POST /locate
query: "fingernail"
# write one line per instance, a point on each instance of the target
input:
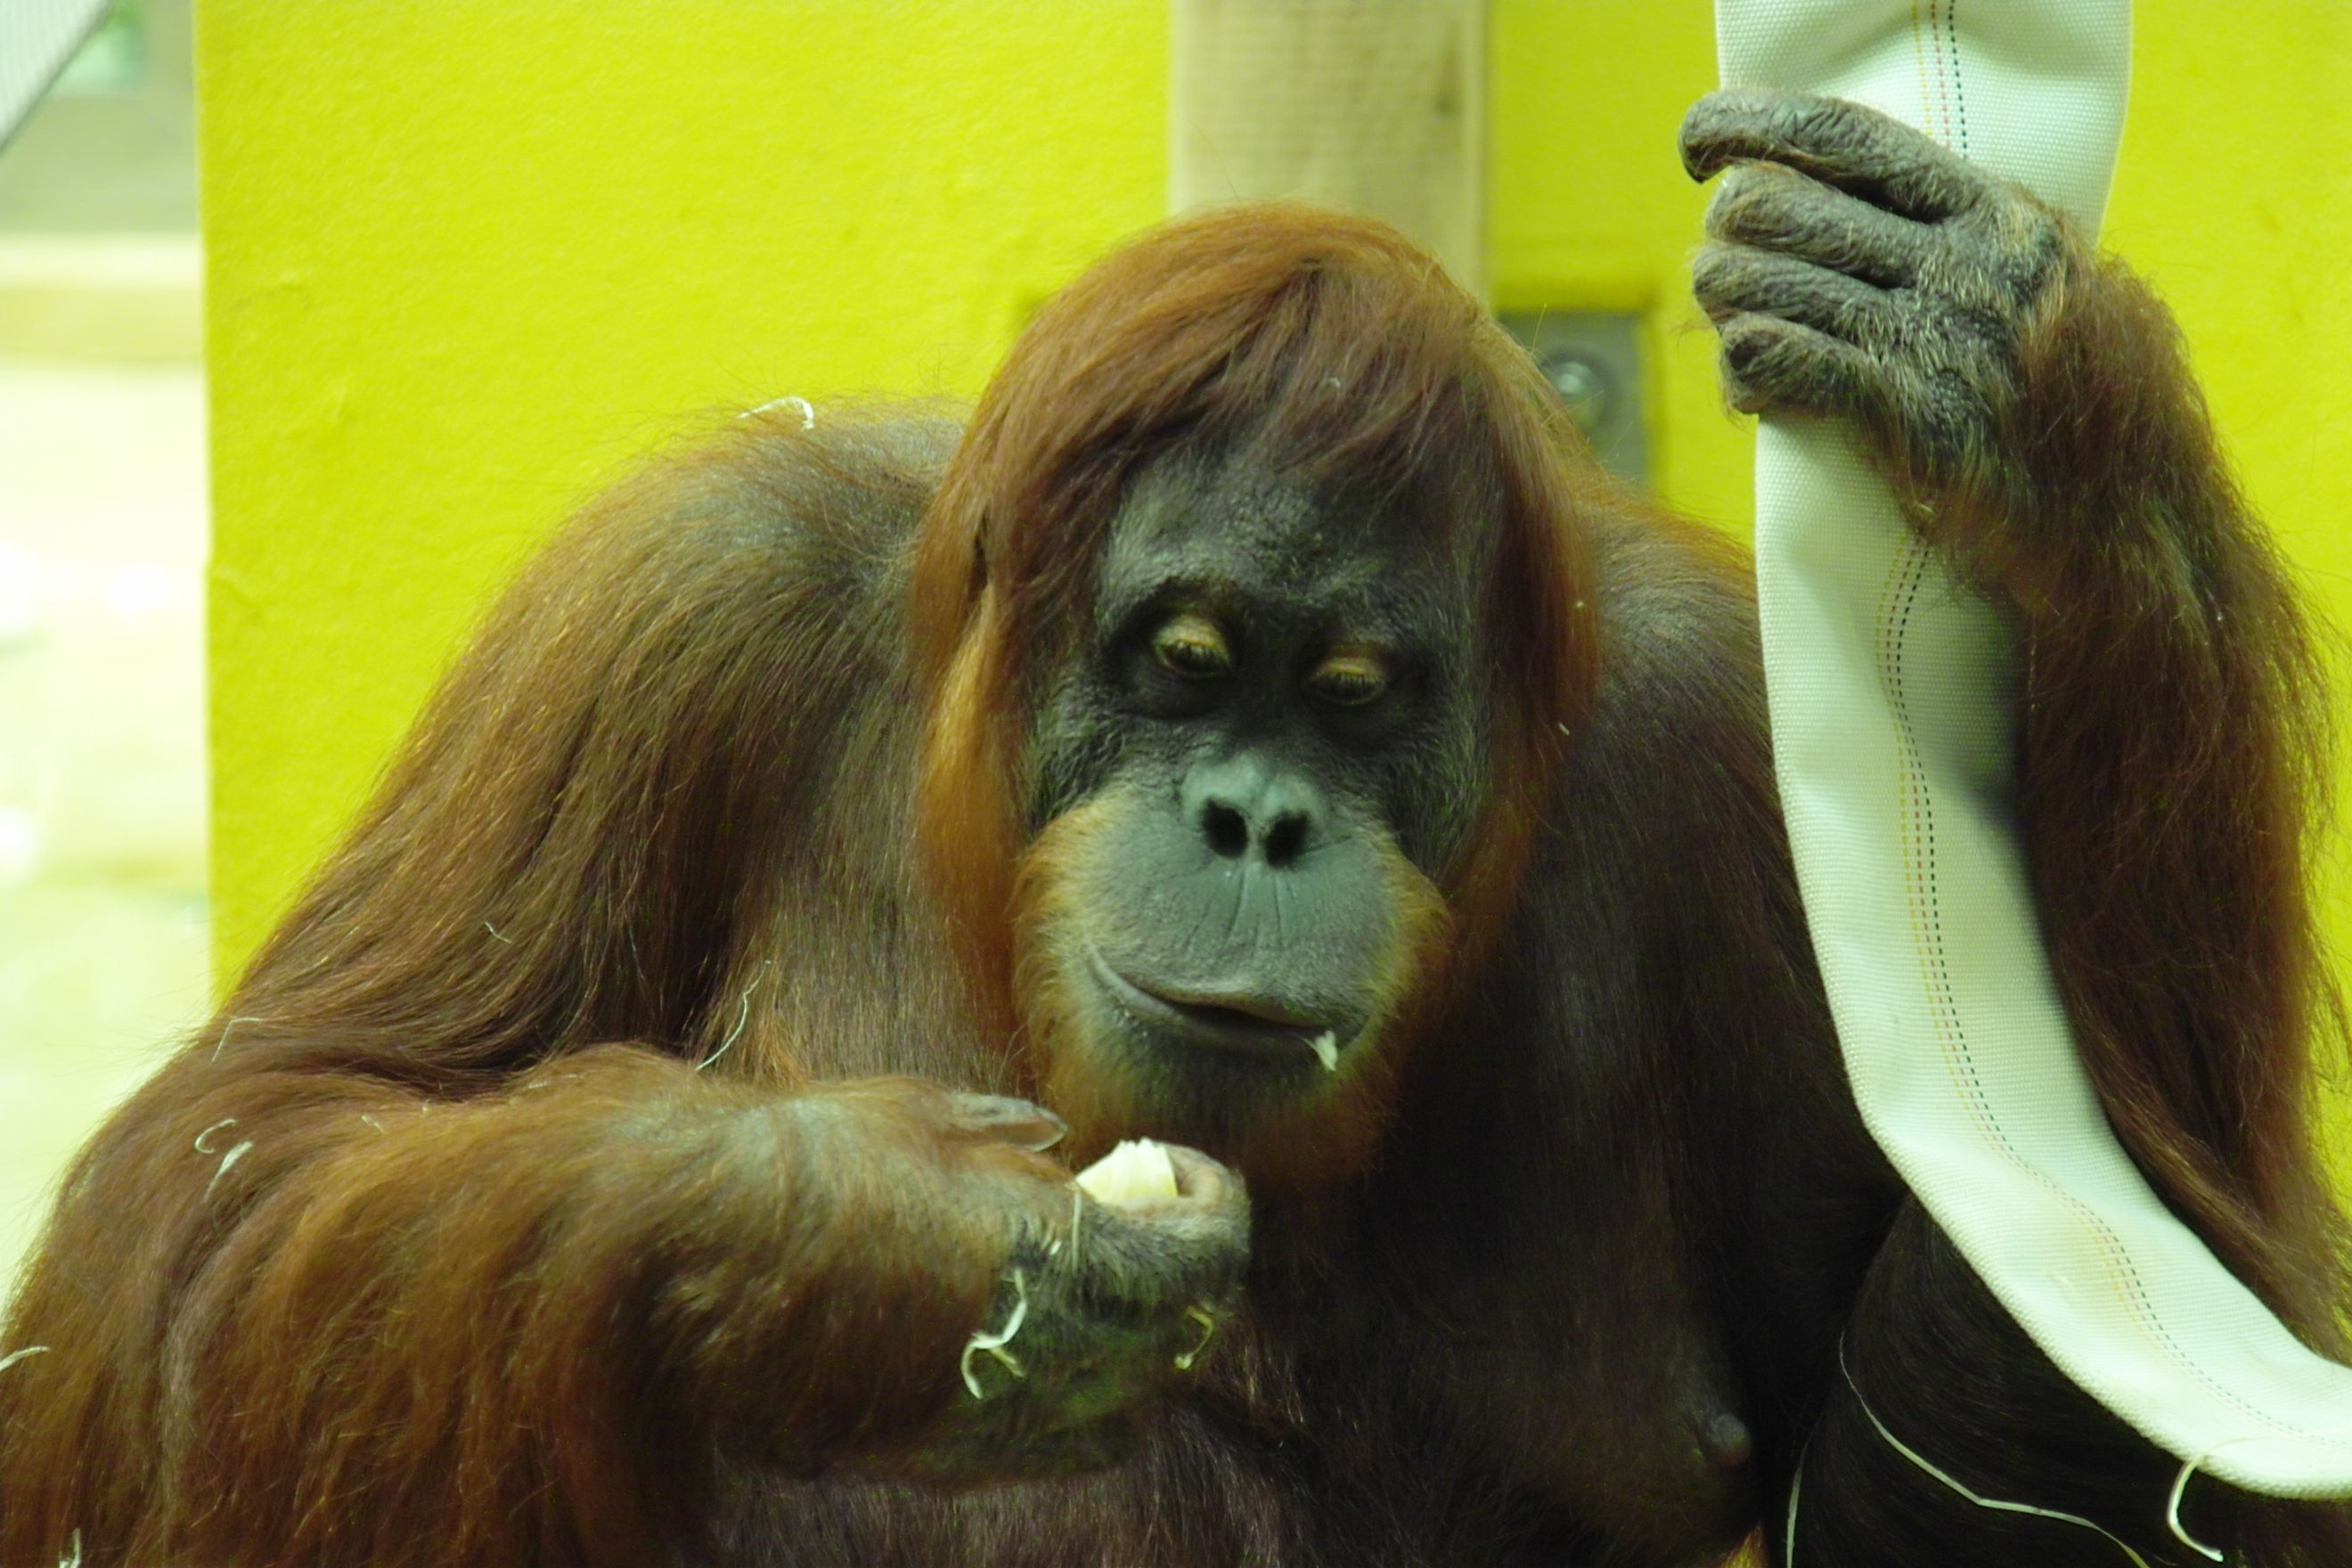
(999, 1114)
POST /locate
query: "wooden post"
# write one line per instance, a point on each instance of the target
(1373, 106)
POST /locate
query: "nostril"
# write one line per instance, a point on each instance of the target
(1287, 840)
(1226, 830)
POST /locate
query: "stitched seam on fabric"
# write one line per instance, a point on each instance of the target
(1943, 85)
(1916, 831)
(1960, 94)
(2122, 1267)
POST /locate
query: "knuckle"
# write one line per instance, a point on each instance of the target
(1732, 201)
(1824, 126)
(1764, 204)
(1715, 270)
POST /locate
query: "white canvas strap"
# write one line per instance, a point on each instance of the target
(1894, 695)
(37, 38)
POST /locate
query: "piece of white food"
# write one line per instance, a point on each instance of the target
(1138, 1172)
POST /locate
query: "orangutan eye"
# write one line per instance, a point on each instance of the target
(1192, 645)
(1350, 679)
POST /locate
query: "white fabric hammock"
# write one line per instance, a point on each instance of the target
(1894, 691)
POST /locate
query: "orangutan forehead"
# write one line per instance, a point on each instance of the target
(1241, 502)
(1215, 528)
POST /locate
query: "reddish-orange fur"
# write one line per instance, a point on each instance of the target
(2174, 752)
(2168, 812)
(735, 778)
(1337, 346)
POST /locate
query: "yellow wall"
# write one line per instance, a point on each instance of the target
(2234, 194)
(1588, 207)
(467, 257)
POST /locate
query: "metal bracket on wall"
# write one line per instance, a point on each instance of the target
(1593, 360)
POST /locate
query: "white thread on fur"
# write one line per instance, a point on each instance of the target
(2189, 1467)
(205, 1148)
(742, 1016)
(1996, 1504)
(232, 1157)
(2172, 1510)
(1796, 1486)
(808, 410)
(1208, 1332)
(994, 1344)
(12, 1357)
(219, 1044)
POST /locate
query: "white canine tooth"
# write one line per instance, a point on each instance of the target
(1325, 1047)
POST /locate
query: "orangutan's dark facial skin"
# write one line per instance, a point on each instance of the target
(1267, 734)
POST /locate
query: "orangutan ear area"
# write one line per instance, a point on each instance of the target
(1195, 959)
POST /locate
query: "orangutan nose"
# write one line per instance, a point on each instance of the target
(1245, 807)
